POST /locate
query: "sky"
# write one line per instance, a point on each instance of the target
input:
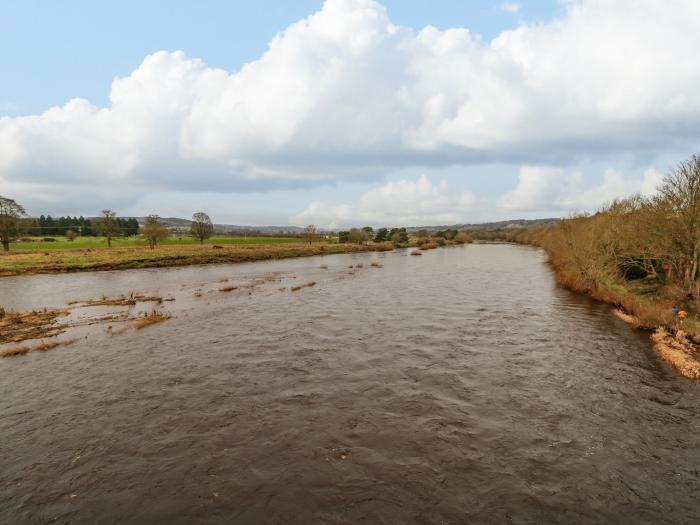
(344, 112)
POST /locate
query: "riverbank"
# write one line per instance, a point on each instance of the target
(81, 260)
(675, 340)
(643, 303)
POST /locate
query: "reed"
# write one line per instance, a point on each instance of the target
(150, 319)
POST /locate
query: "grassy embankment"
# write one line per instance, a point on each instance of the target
(91, 254)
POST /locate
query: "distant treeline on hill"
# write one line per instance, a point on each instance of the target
(48, 226)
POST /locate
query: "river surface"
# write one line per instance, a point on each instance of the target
(462, 386)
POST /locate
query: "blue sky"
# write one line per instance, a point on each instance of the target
(55, 51)
(529, 113)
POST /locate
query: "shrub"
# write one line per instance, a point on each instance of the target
(463, 238)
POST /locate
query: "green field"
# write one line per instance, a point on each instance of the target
(86, 257)
(62, 243)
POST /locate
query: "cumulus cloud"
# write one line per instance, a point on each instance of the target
(540, 189)
(394, 203)
(345, 94)
(546, 188)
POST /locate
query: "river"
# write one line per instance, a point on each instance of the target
(462, 386)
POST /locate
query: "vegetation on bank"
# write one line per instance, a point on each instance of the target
(93, 243)
(57, 261)
(20, 326)
(110, 245)
(641, 254)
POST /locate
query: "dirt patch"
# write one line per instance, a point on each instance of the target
(677, 351)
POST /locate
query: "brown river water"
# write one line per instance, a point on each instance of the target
(462, 386)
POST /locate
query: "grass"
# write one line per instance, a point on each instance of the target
(149, 319)
(15, 351)
(431, 245)
(299, 287)
(21, 326)
(43, 346)
(121, 258)
(83, 243)
(122, 300)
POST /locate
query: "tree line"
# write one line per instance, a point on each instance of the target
(14, 223)
(398, 236)
(45, 226)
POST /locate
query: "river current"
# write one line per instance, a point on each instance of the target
(462, 386)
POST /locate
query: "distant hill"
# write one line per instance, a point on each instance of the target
(511, 224)
(175, 223)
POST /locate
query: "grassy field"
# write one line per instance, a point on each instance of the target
(99, 257)
(62, 243)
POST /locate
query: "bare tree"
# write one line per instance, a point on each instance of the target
(356, 235)
(681, 192)
(153, 231)
(71, 235)
(107, 226)
(201, 227)
(310, 233)
(11, 215)
(463, 237)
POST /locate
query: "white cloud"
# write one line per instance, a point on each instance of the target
(510, 7)
(540, 188)
(545, 188)
(345, 94)
(403, 202)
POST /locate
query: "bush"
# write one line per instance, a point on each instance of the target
(358, 236)
(463, 238)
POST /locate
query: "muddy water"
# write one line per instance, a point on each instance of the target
(462, 386)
